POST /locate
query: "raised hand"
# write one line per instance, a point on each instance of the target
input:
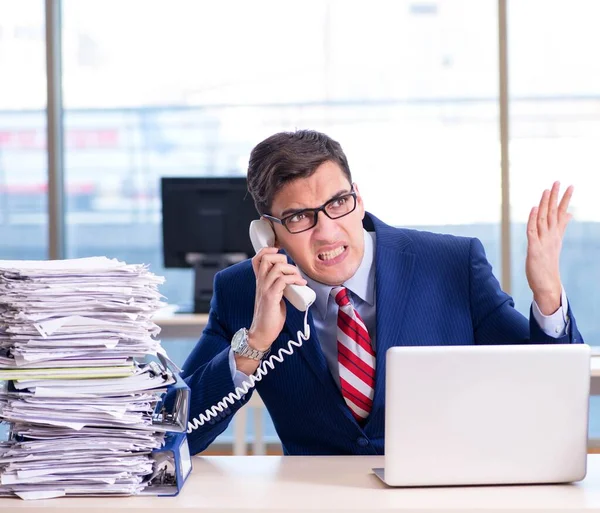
(545, 230)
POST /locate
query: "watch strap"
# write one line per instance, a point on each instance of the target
(243, 349)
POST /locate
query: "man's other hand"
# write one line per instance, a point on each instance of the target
(545, 230)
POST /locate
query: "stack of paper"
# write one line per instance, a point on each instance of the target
(79, 403)
(76, 313)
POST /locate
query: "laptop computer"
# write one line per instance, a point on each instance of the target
(475, 415)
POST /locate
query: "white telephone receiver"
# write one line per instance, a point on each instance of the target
(261, 235)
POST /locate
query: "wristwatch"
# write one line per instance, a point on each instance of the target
(239, 344)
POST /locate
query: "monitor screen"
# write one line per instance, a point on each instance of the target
(210, 216)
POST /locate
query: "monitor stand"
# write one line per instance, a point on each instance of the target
(205, 267)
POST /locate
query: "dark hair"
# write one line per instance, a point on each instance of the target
(288, 156)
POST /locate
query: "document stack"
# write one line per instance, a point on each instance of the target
(80, 400)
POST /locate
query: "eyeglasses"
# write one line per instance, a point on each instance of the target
(306, 219)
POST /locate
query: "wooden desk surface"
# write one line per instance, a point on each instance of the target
(324, 483)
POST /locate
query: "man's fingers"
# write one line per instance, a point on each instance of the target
(542, 217)
(268, 258)
(256, 259)
(552, 205)
(267, 262)
(280, 269)
(564, 202)
(284, 280)
(532, 233)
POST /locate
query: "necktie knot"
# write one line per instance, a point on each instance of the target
(340, 294)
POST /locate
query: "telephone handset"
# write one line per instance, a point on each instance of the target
(261, 235)
(300, 296)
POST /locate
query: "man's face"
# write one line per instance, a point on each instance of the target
(332, 251)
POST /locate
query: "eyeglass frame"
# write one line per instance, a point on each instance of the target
(283, 221)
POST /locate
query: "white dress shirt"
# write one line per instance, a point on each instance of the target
(362, 293)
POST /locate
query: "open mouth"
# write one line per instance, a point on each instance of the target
(330, 255)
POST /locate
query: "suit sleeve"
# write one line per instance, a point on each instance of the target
(208, 374)
(495, 320)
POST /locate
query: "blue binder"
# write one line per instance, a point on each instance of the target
(172, 462)
(172, 466)
(172, 414)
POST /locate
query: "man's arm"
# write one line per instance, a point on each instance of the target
(495, 320)
(208, 374)
(209, 370)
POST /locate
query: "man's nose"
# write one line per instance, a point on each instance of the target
(326, 227)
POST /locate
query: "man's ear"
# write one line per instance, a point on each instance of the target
(359, 201)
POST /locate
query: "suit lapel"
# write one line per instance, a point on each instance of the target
(393, 280)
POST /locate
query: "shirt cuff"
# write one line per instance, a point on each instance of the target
(557, 324)
(239, 378)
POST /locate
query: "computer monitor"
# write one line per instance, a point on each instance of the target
(205, 226)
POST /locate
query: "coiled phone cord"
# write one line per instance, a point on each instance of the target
(262, 370)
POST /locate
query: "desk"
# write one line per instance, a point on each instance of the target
(325, 483)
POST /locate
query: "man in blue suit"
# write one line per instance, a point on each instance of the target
(390, 287)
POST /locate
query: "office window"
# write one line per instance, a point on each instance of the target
(411, 100)
(23, 161)
(555, 129)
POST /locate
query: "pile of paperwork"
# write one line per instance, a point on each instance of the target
(73, 384)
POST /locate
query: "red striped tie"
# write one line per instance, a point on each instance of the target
(356, 357)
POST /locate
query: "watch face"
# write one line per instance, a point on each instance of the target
(238, 339)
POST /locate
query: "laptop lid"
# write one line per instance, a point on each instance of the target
(506, 414)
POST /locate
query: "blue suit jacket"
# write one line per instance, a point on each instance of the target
(431, 289)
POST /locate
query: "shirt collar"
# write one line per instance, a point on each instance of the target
(362, 284)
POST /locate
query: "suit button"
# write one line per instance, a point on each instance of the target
(362, 441)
